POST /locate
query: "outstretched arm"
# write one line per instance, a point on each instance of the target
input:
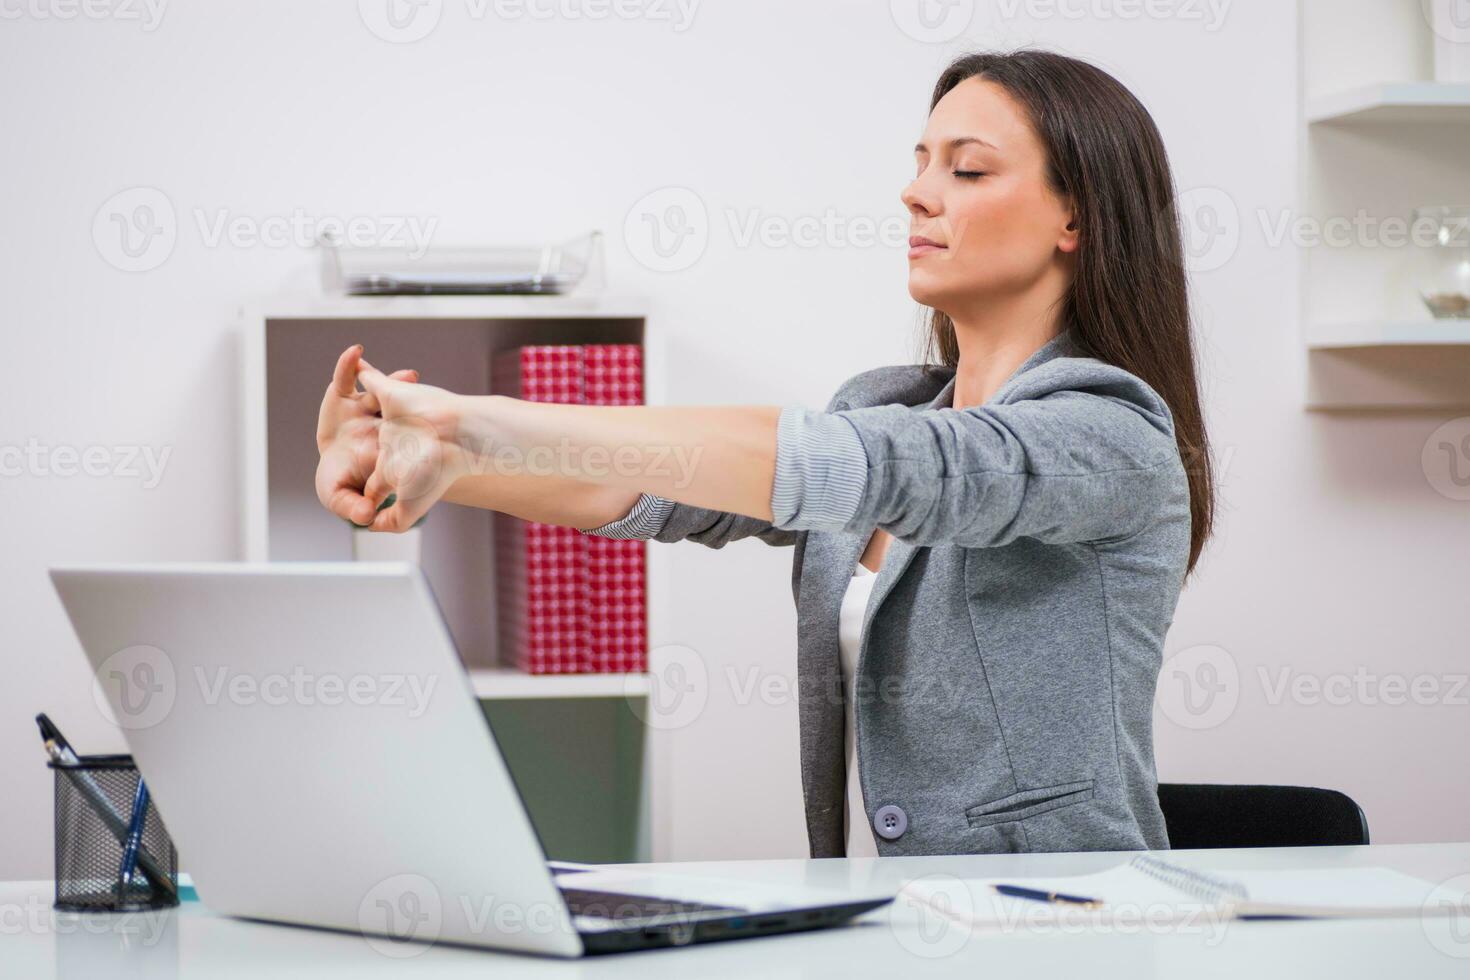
(347, 438)
(1079, 451)
(721, 458)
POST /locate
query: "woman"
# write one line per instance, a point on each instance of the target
(988, 551)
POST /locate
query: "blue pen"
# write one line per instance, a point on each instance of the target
(135, 835)
(1037, 895)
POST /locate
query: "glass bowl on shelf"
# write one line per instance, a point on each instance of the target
(1444, 278)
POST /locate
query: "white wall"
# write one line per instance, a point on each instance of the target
(1333, 551)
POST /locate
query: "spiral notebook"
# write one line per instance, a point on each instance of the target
(1151, 884)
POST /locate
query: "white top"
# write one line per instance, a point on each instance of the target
(859, 832)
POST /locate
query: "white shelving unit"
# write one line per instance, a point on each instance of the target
(590, 770)
(1378, 139)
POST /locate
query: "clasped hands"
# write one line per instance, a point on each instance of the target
(396, 436)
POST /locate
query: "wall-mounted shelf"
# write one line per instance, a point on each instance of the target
(1381, 333)
(1374, 375)
(1442, 103)
(1382, 134)
(499, 683)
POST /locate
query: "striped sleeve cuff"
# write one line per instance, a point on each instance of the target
(644, 519)
(821, 471)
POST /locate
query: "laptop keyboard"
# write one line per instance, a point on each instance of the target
(612, 905)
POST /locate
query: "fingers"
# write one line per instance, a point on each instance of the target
(403, 515)
(376, 488)
(350, 505)
(348, 481)
(341, 393)
(344, 376)
(407, 478)
(380, 490)
(372, 380)
(369, 401)
(338, 477)
(343, 401)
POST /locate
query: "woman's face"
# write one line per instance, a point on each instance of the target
(981, 195)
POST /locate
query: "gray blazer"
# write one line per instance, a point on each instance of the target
(1014, 636)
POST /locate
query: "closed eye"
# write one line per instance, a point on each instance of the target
(969, 174)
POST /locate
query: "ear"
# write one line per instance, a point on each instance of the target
(1067, 241)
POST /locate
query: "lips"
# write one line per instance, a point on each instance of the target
(919, 245)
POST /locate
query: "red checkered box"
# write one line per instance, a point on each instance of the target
(570, 602)
(541, 569)
(612, 374)
(617, 606)
(540, 373)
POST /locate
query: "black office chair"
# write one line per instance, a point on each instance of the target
(1209, 815)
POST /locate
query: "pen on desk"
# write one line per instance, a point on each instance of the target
(135, 836)
(59, 750)
(1056, 898)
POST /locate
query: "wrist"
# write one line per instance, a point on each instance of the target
(475, 432)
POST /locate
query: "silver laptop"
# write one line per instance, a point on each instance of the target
(314, 745)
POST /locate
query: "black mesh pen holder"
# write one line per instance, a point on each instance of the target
(94, 808)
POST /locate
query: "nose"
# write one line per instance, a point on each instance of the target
(919, 199)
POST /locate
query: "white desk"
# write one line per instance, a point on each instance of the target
(193, 943)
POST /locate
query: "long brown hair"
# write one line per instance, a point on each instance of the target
(1128, 304)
